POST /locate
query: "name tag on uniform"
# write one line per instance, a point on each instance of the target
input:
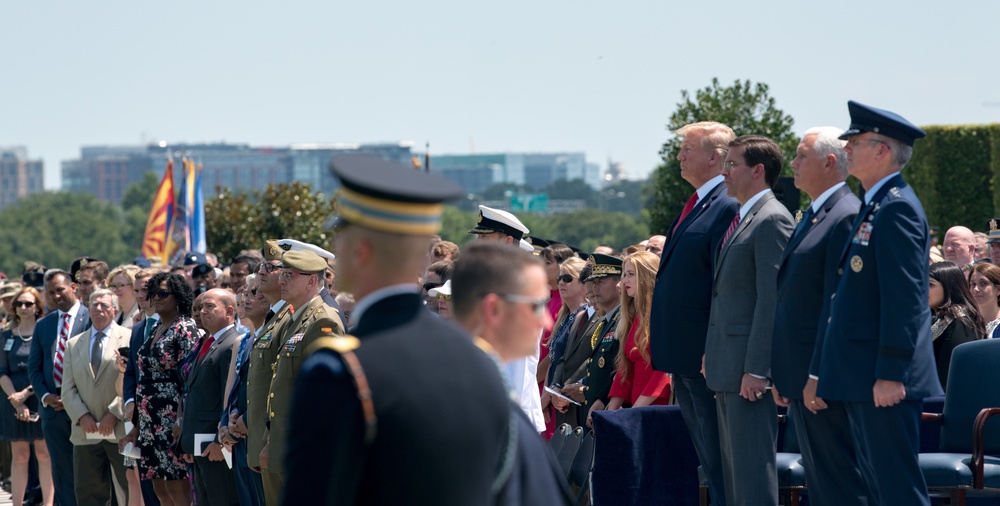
(863, 234)
(9, 345)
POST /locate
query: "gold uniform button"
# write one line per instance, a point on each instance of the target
(272, 395)
(588, 374)
(272, 414)
(584, 402)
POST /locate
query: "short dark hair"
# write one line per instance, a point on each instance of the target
(99, 267)
(758, 149)
(556, 253)
(252, 263)
(176, 285)
(442, 269)
(487, 267)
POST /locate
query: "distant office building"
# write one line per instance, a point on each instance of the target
(19, 176)
(537, 170)
(107, 171)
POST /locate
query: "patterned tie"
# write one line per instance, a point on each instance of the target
(57, 360)
(729, 232)
(687, 209)
(96, 351)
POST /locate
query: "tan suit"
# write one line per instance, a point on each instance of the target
(87, 391)
(262, 357)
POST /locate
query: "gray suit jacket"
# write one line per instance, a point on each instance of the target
(743, 296)
(85, 392)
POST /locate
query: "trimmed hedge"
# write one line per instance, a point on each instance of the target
(955, 171)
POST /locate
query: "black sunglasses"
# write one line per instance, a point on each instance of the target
(162, 294)
(565, 278)
(23, 303)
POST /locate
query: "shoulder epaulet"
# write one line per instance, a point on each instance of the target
(344, 346)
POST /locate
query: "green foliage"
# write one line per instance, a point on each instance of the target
(955, 171)
(586, 229)
(746, 107)
(55, 228)
(235, 222)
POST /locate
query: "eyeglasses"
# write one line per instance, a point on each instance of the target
(537, 305)
(286, 275)
(120, 286)
(565, 278)
(443, 296)
(431, 285)
(162, 294)
(23, 303)
(268, 267)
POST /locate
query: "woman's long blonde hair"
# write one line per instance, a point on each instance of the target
(646, 264)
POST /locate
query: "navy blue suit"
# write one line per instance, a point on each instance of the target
(56, 425)
(880, 328)
(441, 410)
(678, 323)
(806, 279)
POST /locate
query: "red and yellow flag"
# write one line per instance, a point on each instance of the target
(155, 243)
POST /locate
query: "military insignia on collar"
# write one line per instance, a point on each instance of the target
(798, 216)
(856, 263)
(894, 191)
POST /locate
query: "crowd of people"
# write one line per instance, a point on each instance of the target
(294, 376)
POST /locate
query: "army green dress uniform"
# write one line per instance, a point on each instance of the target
(601, 364)
(260, 372)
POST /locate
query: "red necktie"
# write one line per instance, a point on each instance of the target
(687, 209)
(205, 346)
(732, 228)
(57, 360)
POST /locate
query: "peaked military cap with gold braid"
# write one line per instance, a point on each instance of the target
(994, 233)
(390, 197)
(604, 266)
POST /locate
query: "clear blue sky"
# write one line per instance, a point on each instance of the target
(600, 77)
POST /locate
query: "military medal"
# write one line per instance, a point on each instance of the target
(856, 263)
(600, 363)
(798, 216)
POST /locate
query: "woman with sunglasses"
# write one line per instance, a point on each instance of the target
(565, 353)
(159, 389)
(20, 415)
(120, 281)
(636, 382)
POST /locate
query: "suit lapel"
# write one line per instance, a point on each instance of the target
(108, 353)
(700, 208)
(744, 224)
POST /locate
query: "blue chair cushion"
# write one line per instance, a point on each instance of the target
(790, 470)
(946, 469)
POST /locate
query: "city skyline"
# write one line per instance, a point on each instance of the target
(468, 78)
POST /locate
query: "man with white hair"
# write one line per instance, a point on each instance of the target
(805, 283)
(959, 246)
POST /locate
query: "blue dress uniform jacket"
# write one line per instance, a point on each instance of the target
(682, 296)
(441, 408)
(879, 325)
(806, 279)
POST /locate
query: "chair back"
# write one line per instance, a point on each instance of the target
(581, 463)
(559, 438)
(973, 380)
(568, 451)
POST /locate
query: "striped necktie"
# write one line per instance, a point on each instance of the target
(57, 360)
(729, 232)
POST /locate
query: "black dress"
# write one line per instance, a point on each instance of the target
(14, 363)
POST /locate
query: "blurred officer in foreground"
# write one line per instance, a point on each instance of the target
(876, 353)
(409, 411)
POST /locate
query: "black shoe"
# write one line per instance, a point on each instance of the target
(32, 497)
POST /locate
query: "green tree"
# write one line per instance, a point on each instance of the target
(238, 221)
(746, 107)
(54, 228)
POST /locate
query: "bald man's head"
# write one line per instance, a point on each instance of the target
(959, 246)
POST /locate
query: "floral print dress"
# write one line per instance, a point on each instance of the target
(159, 394)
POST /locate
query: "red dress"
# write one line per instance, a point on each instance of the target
(642, 379)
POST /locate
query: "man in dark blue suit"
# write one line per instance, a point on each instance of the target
(140, 331)
(806, 279)
(876, 353)
(410, 400)
(48, 348)
(682, 295)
